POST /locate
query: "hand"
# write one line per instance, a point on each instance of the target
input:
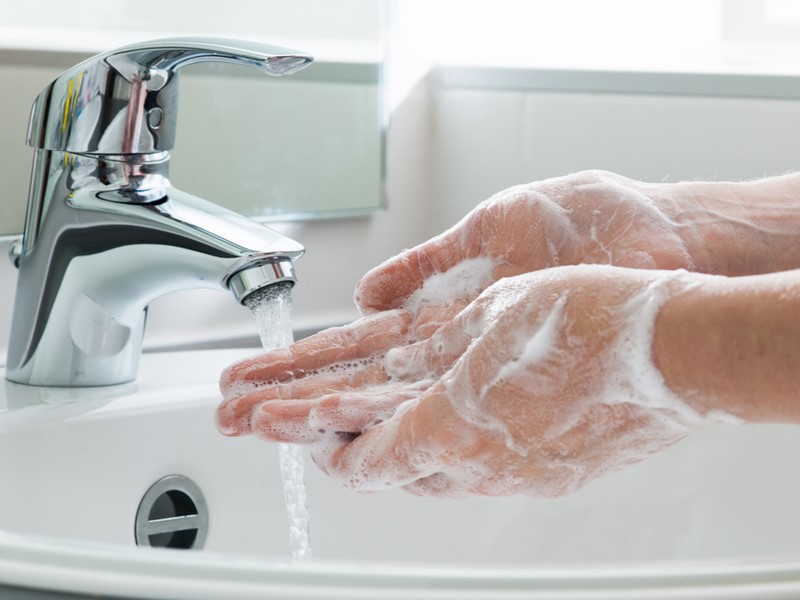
(597, 217)
(541, 384)
(590, 217)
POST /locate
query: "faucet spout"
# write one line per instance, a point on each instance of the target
(116, 235)
(106, 233)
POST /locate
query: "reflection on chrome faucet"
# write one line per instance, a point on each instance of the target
(106, 233)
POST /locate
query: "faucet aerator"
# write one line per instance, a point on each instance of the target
(256, 277)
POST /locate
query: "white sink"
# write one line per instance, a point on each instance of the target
(76, 463)
(86, 457)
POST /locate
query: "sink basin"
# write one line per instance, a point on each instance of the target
(717, 509)
(87, 457)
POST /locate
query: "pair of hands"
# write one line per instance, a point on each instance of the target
(482, 364)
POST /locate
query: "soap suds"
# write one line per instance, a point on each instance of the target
(637, 380)
(463, 282)
(525, 352)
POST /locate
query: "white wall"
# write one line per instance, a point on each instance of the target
(490, 139)
(325, 29)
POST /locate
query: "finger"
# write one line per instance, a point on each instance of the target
(355, 342)
(283, 421)
(389, 284)
(433, 356)
(394, 453)
(429, 318)
(356, 413)
(305, 421)
(438, 485)
(235, 413)
(326, 447)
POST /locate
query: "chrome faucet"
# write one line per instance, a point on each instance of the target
(105, 232)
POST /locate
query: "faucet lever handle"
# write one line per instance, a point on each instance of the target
(125, 101)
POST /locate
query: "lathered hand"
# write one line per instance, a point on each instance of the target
(590, 217)
(721, 228)
(540, 385)
(479, 369)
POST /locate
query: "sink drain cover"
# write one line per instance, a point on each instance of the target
(172, 514)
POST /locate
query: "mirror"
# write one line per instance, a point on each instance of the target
(309, 145)
(301, 146)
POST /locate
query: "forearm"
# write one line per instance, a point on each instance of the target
(733, 345)
(743, 228)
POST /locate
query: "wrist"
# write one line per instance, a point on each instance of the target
(732, 345)
(737, 228)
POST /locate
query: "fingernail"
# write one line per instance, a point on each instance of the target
(229, 425)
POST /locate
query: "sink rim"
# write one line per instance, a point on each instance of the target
(159, 374)
(86, 567)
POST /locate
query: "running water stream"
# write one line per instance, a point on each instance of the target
(272, 309)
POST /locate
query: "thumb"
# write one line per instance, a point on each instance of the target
(431, 356)
(413, 444)
(388, 285)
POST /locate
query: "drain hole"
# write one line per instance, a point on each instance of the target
(169, 507)
(172, 514)
(180, 540)
(173, 503)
